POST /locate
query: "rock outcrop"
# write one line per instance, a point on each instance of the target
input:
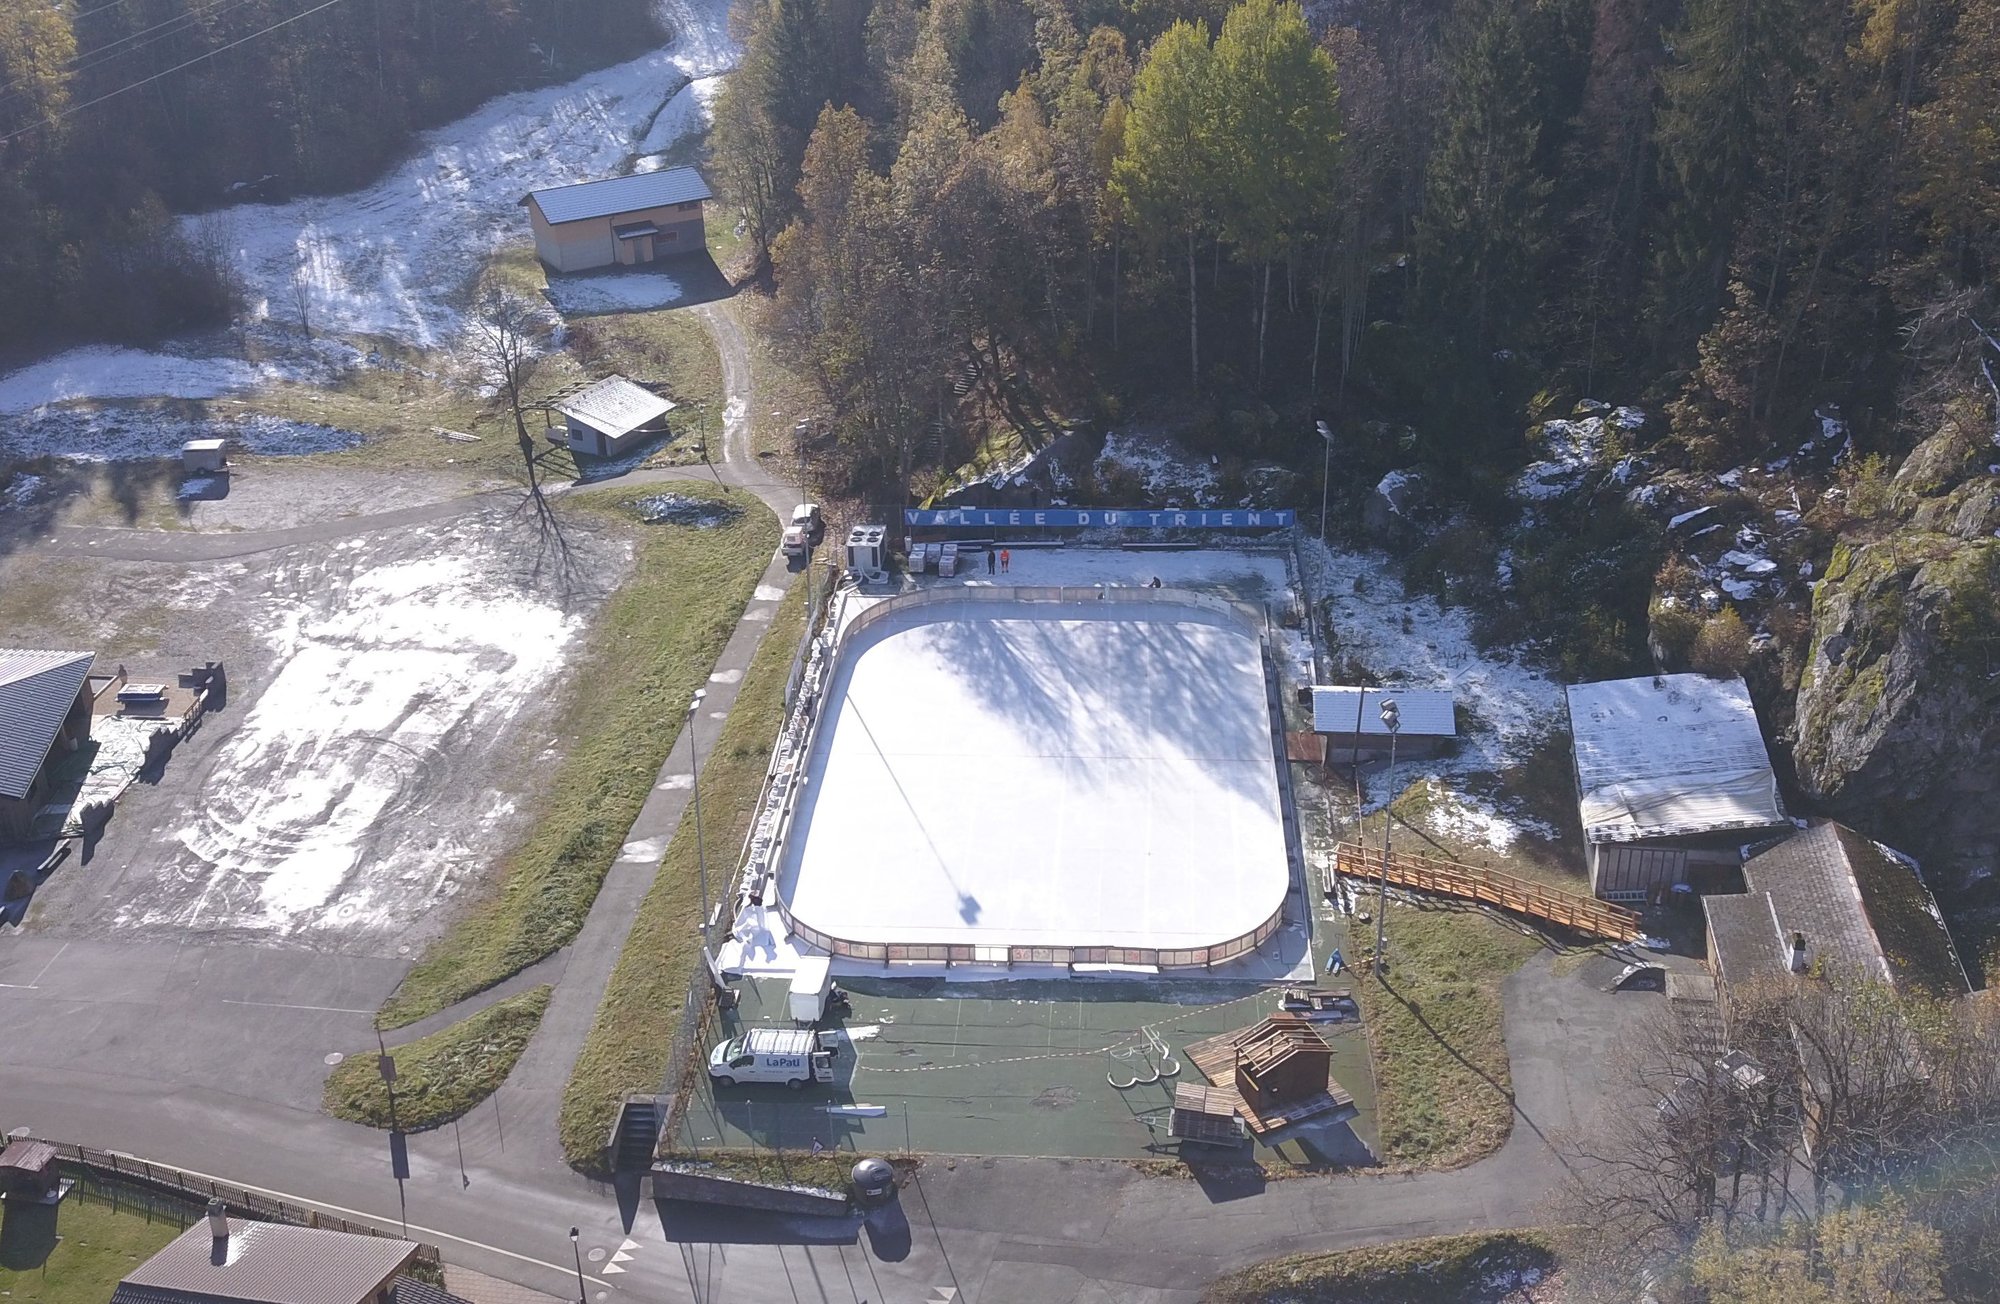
(1898, 725)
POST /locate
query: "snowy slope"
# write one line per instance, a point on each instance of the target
(391, 258)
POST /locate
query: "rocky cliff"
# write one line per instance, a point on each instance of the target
(1898, 723)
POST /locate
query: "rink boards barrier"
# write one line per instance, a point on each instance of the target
(760, 880)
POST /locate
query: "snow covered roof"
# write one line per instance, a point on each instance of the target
(37, 690)
(588, 199)
(614, 405)
(1425, 712)
(1670, 756)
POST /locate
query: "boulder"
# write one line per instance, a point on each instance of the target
(1898, 723)
(1390, 515)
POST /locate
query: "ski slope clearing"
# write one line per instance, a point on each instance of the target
(397, 259)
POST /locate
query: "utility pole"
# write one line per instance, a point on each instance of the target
(694, 775)
(1325, 474)
(1392, 719)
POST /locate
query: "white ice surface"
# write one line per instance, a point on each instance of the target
(1049, 775)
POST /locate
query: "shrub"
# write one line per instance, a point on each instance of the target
(1675, 628)
(1722, 648)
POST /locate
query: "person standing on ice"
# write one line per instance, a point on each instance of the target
(1006, 560)
(989, 559)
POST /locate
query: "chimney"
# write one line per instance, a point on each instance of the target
(1798, 952)
(218, 1221)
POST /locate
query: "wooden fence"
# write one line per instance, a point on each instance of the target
(1420, 873)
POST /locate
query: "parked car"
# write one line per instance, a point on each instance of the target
(793, 1056)
(805, 530)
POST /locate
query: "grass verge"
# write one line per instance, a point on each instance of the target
(1443, 1091)
(442, 1076)
(830, 1171)
(98, 1245)
(651, 647)
(630, 1040)
(1485, 1268)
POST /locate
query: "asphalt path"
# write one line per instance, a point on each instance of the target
(209, 1058)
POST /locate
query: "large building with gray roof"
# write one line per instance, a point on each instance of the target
(45, 699)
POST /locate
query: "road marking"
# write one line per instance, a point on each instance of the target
(37, 985)
(609, 1269)
(376, 1218)
(629, 1244)
(621, 1257)
(277, 1005)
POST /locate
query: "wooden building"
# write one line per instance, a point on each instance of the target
(45, 704)
(619, 221)
(1672, 778)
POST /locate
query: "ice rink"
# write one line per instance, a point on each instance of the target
(1041, 774)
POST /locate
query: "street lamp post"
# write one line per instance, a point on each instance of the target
(577, 1254)
(1392, 719)
(694, 775)
(1325, 474)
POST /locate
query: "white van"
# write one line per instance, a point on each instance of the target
(788, 1055)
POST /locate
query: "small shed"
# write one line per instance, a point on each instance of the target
(610, 417)
(204, 457)
(1275, 1073)
(1350, 719)
(1672, 776)
(28, 1170)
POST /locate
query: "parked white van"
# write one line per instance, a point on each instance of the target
(792, 1056)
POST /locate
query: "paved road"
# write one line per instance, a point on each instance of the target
(84, 1061)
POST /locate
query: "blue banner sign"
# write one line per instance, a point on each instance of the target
(1239, 518)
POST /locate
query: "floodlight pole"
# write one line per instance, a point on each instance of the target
(694, 776)
(1325, 474)
(1392, 720)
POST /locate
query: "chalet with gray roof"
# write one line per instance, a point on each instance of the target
(1831, 898)
(619, 221)
(45, 700)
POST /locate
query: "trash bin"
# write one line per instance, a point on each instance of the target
(874, 1180)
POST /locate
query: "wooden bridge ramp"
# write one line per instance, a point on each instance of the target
(1419, 873)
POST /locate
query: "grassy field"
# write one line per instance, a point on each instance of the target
(629, 1042)
(652, 646)
(442, 1076)
(1489, 1268)
(97, 1247)
(1444, 1094)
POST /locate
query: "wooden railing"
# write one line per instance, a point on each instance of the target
(1490, 887)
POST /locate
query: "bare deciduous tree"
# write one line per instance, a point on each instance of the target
(507, 334)
(1825, 1092)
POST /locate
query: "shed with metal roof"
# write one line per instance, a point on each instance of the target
(45, 701)
(1672, 776)
(610, 416)
(1350, 718)
(619, 221)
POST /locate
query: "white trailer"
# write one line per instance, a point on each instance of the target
(811, 982)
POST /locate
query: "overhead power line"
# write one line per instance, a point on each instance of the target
(73, 109)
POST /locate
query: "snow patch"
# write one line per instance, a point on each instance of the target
(313, 815)
(134, 434)
(1569, 450)
(1171, 476)
(1373, 622)
(618, 292)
